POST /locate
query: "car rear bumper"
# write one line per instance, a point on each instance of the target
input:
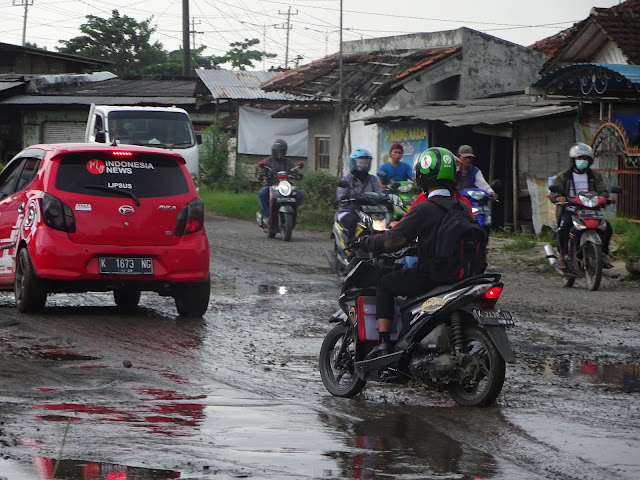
(55, 257)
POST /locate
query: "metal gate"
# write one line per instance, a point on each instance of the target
(619, 164)
(63, 132)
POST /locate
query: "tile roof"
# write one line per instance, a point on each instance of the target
(368, 77)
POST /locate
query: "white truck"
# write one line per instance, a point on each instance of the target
(161, 127)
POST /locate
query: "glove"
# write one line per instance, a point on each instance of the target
(356, 243)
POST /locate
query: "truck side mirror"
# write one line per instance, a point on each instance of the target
(199, 138)
(101, 137)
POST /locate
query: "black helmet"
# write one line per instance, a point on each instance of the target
(435, 167)
(279, 148)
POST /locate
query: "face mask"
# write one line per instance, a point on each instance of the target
(582, 164)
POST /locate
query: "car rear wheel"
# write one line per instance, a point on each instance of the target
(126, 298)
(192, 299)
(29, 289)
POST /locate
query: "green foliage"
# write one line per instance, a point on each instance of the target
(242, 205)
(118, 39)
(521, 242)
(628, 235)
(318, 209)
(241, 57)
(214, 162)
(173, 64)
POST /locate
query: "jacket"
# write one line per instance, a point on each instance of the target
(276, 166)
(356, 187)
(565, 178)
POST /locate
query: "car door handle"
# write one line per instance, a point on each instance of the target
(21, 208)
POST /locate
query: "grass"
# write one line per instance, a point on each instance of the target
(521, 242)
(237, 205)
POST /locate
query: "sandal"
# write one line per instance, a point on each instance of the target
(606, 265)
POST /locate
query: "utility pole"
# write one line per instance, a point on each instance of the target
(186, 44)
(193, 32)
(341, 102)
(288, 27)
(26, 4)
(264, 36)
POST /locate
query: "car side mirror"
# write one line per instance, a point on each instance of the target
(101, 137)
(199, 138)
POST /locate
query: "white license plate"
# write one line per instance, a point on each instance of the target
(500, 317)
(126, 266)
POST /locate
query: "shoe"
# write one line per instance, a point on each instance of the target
(265, 222)
(379, 350)
(606, 264)
(561, 265)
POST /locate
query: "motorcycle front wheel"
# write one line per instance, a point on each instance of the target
(486, 383)
(337, 359)
(286, 226)
(592, 258)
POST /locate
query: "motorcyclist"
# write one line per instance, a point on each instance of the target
(360, 181)
(579, 177)
(472, 176)
(395, 169)
(277, 162)
(435, 171)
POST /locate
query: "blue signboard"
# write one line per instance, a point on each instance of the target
(411, 135)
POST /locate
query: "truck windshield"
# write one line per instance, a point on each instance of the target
(154, 129)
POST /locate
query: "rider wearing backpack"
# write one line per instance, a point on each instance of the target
(435, 171)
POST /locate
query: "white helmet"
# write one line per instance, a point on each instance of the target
(581, 150)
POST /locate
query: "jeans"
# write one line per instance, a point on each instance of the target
(263, 194)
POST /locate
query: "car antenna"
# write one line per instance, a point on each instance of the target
(114, 143)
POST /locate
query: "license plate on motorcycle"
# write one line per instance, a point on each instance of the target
(125, 266)
(590, 214)
(493, 317)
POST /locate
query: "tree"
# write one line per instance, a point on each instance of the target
(173, 65)
(121, 40)
(240, 57)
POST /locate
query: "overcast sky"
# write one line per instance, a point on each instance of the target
(314, 23)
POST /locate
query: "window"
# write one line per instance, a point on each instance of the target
(322, 153)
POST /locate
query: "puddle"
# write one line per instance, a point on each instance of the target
(623, 377)
(273, 289)
(42, 468)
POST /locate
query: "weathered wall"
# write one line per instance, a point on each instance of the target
(33, 121)
(324, 124)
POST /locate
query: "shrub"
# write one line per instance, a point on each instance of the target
(320, 204)
(214, 162)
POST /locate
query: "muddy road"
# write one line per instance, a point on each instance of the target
(91, 392)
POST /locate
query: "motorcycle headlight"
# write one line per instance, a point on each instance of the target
(284, 188)
(588, 200)
(379, 225)
(476, 195)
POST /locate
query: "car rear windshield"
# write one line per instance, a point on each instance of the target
(108, 175)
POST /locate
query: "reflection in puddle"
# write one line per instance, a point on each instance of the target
(621, 376)
(48, 468)
(276, 289)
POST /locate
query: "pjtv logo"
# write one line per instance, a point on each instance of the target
(96, 166)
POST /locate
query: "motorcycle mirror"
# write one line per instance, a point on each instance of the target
(300, 164)
(496, 184)
(381, 173)
(616, 189)
(343, 184)
(555, 188)
(395, 185)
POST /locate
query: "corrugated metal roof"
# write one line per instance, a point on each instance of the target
(241, 85)
(88, 100)
(487, 111)
(629, 72)
(8, 85)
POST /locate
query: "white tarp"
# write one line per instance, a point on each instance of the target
(257, 132)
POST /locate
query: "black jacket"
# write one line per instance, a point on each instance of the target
(276, 166)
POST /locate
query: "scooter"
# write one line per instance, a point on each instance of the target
(450, 338)
(374, 212)
(479, 200)
(584, 258)
(283, 203)
(401, 194)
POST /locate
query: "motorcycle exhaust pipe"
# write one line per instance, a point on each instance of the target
(551, 255)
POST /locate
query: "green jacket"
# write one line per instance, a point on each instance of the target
(565, 178)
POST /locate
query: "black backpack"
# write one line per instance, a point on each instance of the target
(460, 248)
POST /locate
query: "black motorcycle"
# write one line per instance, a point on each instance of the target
(283, 203)
(450, 338)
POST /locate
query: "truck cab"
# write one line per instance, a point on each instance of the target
(161, 127)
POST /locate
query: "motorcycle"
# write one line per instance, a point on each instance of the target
(283, 202)
(374, 212)
(401, 194)
(450, 338)
(584, 257)
(479, 200)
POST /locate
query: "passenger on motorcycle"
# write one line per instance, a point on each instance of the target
(396, 170)
(472, 176)
(577, 178)
(277, 162)
(435, 171)
(360, 181)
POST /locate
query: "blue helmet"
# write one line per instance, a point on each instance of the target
(360, 161)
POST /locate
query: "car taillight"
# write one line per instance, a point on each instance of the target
(190, 218)
(57, 214)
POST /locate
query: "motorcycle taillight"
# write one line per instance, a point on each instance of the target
(57, 214)
(191, 218)
(490, 296)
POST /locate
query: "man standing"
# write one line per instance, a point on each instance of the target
(395, 169)
(471, 175)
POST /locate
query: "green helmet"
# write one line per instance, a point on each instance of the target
(435, 166)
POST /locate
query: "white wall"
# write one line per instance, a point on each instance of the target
(363, 136)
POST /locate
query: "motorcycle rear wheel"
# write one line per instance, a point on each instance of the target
(336, 368)
(489, 379)
(593, 265)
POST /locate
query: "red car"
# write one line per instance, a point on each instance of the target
(95, 217)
